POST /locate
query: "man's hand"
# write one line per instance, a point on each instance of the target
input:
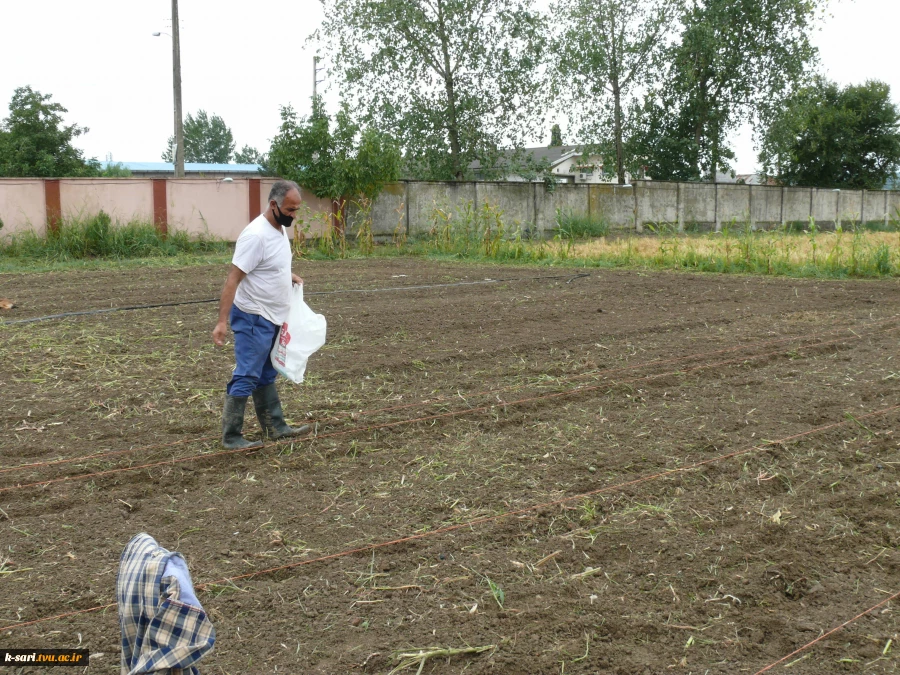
(296, 279)
(219, 332)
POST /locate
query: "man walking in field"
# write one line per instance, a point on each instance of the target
(256, 298)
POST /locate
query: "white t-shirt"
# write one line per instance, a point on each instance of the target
(264, 254)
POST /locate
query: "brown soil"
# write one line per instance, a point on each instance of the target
(725, 567)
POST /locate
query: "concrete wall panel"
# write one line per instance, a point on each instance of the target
(426, 198)
(733, 205)
(766, 203)
(825, 206)
(515, 200)
(613, 203)
(851, 206)
(656, 202)
(796, 205)
(874, 206)
(698, 209)
(22, 206)
(894, 206)
(208, 206)
(124, 199)
(564, 198)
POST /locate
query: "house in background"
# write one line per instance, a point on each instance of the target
(191, 169)
(567, 163)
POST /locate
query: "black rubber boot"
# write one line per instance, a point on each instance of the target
(270, 415)
(233, 424)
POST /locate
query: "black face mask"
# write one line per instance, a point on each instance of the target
(283, 219)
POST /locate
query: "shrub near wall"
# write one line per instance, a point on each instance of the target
(100, 237)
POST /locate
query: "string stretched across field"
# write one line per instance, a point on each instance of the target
(427, 418)
(180, 303)
(487, 392)
(488, 519)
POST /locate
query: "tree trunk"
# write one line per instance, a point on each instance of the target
(620, 160)
(452, 121)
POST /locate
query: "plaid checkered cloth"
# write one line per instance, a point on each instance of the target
(159, 632)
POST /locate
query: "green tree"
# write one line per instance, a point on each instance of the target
(734, 60)
(206, 139)
(555, 136)
(35, 142)
(348, 161)
(833, 137)
(606, 49)
(455, 80)
(248, 155)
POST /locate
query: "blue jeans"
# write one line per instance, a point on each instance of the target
(254, 337)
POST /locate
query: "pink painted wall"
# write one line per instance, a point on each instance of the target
(22, 205)
(196, 205)
(208, 206)
(313, 210)
(124, 199)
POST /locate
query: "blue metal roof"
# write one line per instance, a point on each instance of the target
(193, 167)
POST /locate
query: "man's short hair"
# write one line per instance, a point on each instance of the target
(280, 188)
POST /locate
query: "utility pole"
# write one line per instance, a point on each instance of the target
(176, 83)
(316, 79)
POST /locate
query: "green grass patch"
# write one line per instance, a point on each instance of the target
(98, 237)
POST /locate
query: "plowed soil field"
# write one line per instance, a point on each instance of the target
(622, 472)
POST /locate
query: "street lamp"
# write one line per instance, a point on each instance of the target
(176, 85)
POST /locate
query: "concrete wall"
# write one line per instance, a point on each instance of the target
(563, 199)
(22, 205)
(208, 206)
(656, 203)
(612, 203)
(124, 199)
(797, 205)
(698, 206)
(426, 198)
(765, 206)
(222, 209)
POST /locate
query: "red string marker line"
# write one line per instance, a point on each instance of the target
(375, 427)
(486, 519)
(831, 632)
(455, 413)
(441, 399)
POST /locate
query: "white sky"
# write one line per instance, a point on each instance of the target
(240, 60)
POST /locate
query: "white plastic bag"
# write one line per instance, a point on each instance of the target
(301, 336)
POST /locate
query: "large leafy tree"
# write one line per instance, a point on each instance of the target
(605, 50)
(455, 80)
(336, 161)
(248, 155)
(833, 137)
(206, 139)
(35, 142)
(734, 60)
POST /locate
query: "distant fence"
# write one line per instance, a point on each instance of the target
(682, 206)
(222, 208)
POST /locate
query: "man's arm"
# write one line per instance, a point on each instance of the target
(235, 276)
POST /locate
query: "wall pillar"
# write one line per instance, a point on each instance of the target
(837, 215)
(679, 206)
(253, 202)
(862, 209)
(52, 204)
(750, 218)
(718, 215)
(160, 206)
